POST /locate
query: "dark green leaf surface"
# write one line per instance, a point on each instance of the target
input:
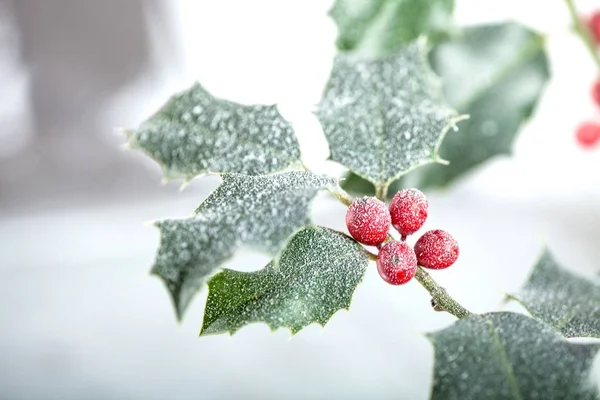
(508, 356)
(569, 303)
(493, 73)
(383, 118)
(258, 212)
(496, 74)
(314, 276)
(377, 28)
(197, 133)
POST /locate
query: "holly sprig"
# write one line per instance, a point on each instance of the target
(384, 115)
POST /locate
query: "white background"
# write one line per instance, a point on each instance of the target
(80, 317)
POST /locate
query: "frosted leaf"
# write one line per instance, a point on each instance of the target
(496, 74)
(313, 277)
(569, 303)
(196, 133)
(510, 356)
(258, 212)
(383, 118)
(380, 27)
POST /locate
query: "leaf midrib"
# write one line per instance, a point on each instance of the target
(533, 45)
(508, 370)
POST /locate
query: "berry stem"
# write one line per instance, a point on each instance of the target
(381, 192)
(583, 32)
(342, 196)
(441, 300)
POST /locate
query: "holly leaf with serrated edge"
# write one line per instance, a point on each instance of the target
(376, 28)
(257, 212)
(495, 74)
(196, 133)
(510, 356)
(384, 117)
(568, 302)
(314, 276)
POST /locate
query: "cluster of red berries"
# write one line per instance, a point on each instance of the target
(588, 133)
(369, 219)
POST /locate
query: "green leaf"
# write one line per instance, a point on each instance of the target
(313, 277)
(197, 133)
(377, 28)
(383, 118)
(510, 356)
(569, 303)
(495, 74)
(257, 212)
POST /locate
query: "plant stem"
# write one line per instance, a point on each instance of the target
(342, 196)
(381, 192)
(583, 32)
(441, 300)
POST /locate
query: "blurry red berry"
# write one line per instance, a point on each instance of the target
(397, 263)
(368, 220)
(436, 249)
(594, 26)
(408, 209)
(588, 134)
(595, 92)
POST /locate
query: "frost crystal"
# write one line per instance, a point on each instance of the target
(509, 356)
(315, 276)
(258, 212)
(565, 301)
(196, 133)
(384, 117)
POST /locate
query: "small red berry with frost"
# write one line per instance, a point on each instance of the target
(594, 26)
(368, 220)
(588, 134)
(436, 249)
(396, 263)
(595, 92)
(408, 209)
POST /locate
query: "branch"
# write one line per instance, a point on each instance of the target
(440, 299)
(583, 32)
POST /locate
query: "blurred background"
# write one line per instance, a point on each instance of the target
(80, 316)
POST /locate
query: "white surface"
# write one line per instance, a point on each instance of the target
(81, 318)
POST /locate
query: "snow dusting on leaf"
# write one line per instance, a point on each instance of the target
(197, 133)
(569, 303)
(314, 276)
(258, 212)
(510, 356)
(385, 117)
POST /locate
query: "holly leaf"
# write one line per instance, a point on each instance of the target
(313, 277)
(196, 133)
(569, 303)
(257, 212)
(510, 356)
(495, 74)
(378, 28)
(384, 117)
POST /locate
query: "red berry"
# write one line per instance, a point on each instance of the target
(408, 209)
(436, 249)
(588, 134)
(368, 220)
(397, 263)
(594, 26)
(596, 92)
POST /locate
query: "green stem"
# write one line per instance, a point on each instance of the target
(440, 299)
(583, 32)
(381, 192)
